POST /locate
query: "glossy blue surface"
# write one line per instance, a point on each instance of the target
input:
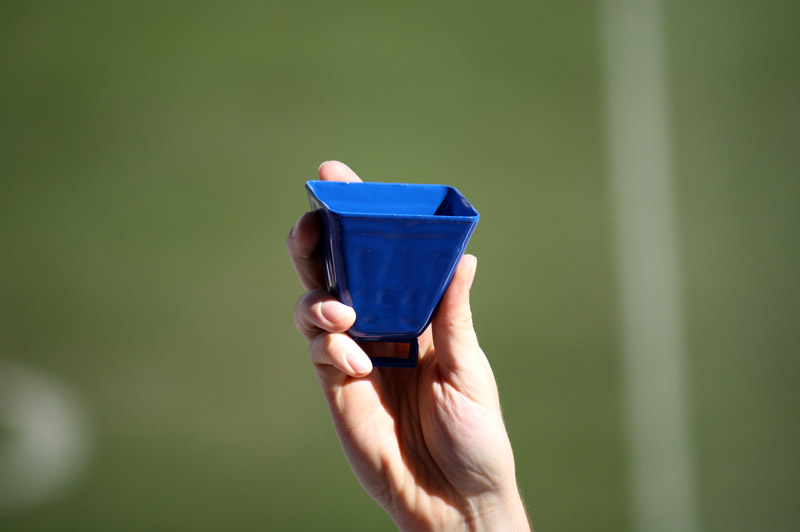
(390, 251)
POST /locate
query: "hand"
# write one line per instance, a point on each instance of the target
(428, 443)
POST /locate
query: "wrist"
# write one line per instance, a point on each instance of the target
(498, 511)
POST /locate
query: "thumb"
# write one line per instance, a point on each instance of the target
(453, 333)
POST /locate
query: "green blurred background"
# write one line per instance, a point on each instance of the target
(152, 156)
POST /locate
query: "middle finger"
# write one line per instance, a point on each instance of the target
(317, 311)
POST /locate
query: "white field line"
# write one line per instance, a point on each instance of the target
(662, 479)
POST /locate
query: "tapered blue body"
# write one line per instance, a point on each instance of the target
(390, 250)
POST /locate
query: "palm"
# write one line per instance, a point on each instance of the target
(405, 437)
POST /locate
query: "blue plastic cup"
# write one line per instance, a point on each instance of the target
(389, 250)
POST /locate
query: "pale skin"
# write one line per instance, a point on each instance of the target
(429, 443)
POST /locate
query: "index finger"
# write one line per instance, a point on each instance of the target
(303, 240)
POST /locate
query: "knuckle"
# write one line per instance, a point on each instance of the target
(300, 310)
(460, 322)
(319, 349)
(304, 315)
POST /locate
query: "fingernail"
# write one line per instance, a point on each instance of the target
(321, 164)
(333, 311)
(472, 275)
(293, 232)
(359, 361)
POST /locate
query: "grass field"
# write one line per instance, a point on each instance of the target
(152, 159)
